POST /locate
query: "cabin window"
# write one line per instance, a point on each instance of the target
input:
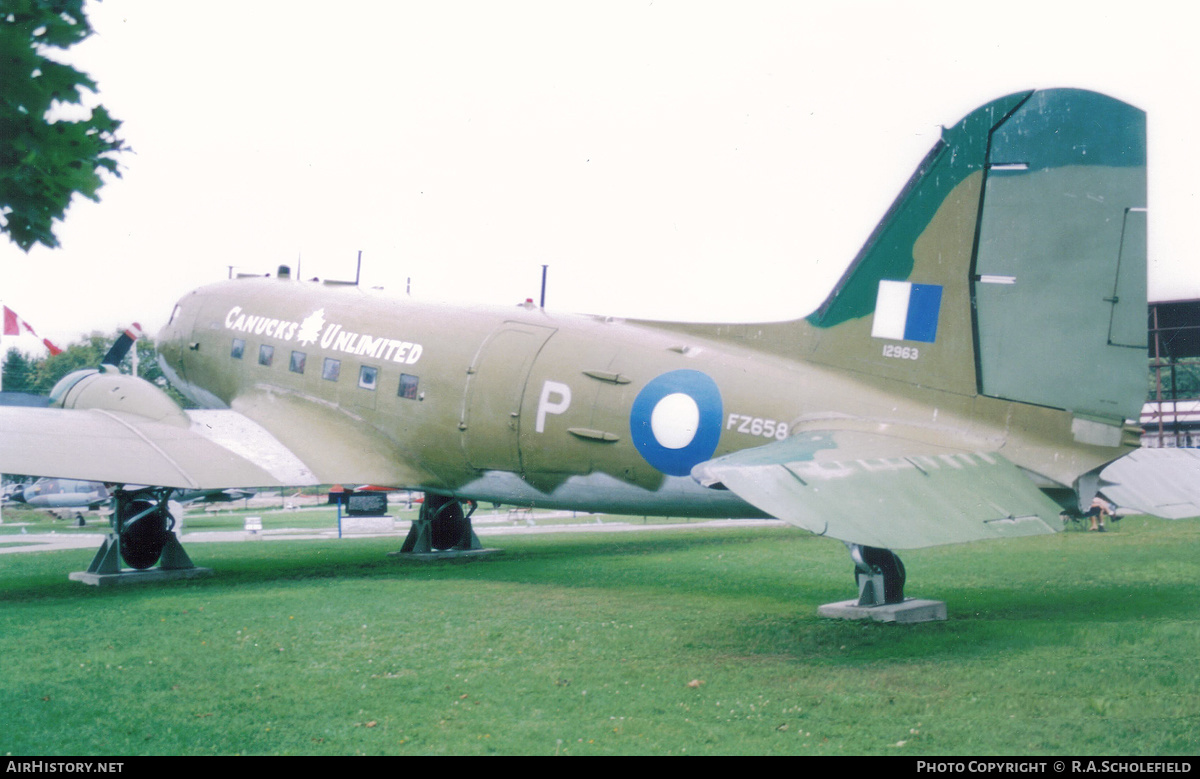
(297, 363)
(266, 353)
(239, 348)
(367, 376)
(331, 370)
(408, 387)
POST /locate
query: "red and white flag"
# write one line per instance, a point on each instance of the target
(13, 325)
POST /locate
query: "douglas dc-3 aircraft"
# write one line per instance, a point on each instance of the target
(968, 377)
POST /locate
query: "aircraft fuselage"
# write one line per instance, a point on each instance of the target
(522, 406)
(509, 405)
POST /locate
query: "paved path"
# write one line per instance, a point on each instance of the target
(41, 542)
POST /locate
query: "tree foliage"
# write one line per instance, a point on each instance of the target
(1186, 375)
(38, 375)
(45, 158)
(18, 372)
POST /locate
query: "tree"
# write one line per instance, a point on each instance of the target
(1186, 373)
(38, 375)
(44, 157)
(82, 354)
(18, 371)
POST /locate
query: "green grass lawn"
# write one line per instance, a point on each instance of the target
(667, 642)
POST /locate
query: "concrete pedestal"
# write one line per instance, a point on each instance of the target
(135, 577)
(445, 554)
(911, 611)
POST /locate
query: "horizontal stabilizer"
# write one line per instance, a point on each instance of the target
(1161, 482)
(925, 498)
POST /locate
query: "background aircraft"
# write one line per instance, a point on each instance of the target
(211, 496)
(61, 493)
(77, 494)
(968, 378)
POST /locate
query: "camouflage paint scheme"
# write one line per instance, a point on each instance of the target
(61, 493)
(981, 353)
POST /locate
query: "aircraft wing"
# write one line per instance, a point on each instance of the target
(133, 436)
(218, 450)
(917, 495)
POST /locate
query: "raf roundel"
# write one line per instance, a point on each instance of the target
(676, 421)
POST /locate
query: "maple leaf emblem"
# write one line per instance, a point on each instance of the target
(310, 328)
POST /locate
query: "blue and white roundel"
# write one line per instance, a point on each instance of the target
(676, 421)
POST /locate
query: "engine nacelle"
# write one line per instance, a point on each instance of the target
(112, 391)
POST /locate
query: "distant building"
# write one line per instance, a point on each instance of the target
(1171, 418)
(1171, 423)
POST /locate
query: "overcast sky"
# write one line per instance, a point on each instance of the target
(672, 160)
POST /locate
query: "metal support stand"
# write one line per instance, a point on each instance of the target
(142, 534)
(441, 531)
(880, 576)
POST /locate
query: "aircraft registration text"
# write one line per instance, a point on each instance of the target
(767, 428)
(901, 352)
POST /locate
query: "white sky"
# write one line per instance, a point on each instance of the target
(673, 160)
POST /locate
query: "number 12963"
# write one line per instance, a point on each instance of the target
(901, 352)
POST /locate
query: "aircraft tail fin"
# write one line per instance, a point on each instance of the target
(1013, 264)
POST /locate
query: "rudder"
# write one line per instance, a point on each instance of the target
(1060, 274)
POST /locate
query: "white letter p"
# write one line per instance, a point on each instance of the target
(545, 406)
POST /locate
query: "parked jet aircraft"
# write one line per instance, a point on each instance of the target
(73, 493)
(968, 378)
(61, 493)
(57, 495)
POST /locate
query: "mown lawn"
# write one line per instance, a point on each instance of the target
(669, 642)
